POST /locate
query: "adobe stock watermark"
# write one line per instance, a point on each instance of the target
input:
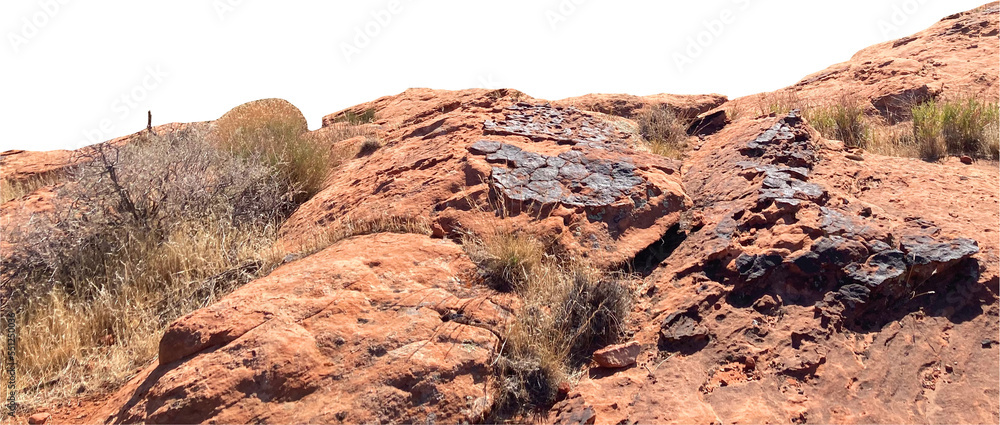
(712, 29)
(124, 106)
(11, 365)
(225, 7)
(899, 14)
(561, 12)
(489, 83)
(31, 25)
(365, 33)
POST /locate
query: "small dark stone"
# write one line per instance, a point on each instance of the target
(679, 328)
(838, 251)
(808, 263)
(886, 266)
(753, 267)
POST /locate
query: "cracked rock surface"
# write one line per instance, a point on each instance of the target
(787, 283)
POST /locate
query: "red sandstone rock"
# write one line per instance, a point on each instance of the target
(626, 105)
(616, 356)
(807, 287)
(447, 154)
(39, 418)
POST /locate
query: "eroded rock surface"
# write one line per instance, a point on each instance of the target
(793, 292)
(788, 281)
(381, 328)
(525, 157)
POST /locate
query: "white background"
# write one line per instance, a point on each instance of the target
(66, 64)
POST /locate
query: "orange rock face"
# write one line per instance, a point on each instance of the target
(784, 278)
(626, 105)
(449, 156)
(374, 329)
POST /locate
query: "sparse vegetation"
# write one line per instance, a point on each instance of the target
(568, 308)
(893, 140)
(776, 103)
(354, 118)
(274, 130)
(350, 226)
(664, 132)
(964, 126)
(15, 189)
(844, 121)
(369, 146)
(141, 235)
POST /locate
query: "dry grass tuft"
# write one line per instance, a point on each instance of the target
(844, 121)
(15, 189)
(142, 235)
(663, 131)
(508, 259)
(369, 146)
(274, 130)
(350, 227)
(568, 309)
(775, 103)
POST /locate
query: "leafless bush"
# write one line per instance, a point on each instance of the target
(137, 236)
(144, 191)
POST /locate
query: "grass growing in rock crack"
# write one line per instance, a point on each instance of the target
(567, 309)
(351, 226)
(664, 132)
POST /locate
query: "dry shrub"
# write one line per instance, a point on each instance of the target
(274, 130)
(568, 309)
(144, 234)
(664, 132)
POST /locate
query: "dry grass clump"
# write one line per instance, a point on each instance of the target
(775, 103)
(844, 121)
(350, 226)
(369, 146)
(274, 130)
(664, 132)
(507, 259)
(15, 189)
(964, 126)
(354, 118)
(144, 234)
(568, 309)
(892, 140)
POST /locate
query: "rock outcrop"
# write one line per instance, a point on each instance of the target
(455, 160)
(380, 328)
(795, 291)
(783, 279)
